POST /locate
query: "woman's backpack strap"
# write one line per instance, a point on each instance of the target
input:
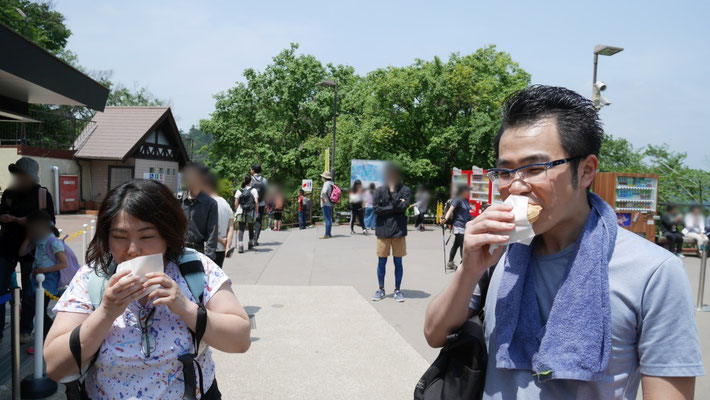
(193, 272)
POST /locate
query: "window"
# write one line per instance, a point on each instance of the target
(151, 170)
(160, 170)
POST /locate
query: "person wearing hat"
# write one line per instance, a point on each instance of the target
(325, 203)
(18, 201)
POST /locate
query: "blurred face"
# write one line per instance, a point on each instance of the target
(37, 230)
(21, 181)
(696, 211)
(193, 180)
(130, 237)
(392, 176)
(540, 142)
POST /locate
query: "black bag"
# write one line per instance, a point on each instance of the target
(459, 372)
(246, 201)
(306, 204)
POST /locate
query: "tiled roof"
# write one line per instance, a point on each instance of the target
(116, 131)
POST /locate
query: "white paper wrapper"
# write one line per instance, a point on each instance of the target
(523, 232)
(143, 265)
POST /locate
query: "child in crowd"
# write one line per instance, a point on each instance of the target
(49, 256)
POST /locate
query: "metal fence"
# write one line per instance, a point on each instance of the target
(52, 130)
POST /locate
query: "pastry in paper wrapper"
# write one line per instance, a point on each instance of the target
(142, 265)
(525, 215)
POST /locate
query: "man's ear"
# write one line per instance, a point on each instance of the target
(587, 170)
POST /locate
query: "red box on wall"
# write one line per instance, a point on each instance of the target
(68, 193)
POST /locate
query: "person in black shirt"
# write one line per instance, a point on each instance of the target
(669, 227)
(201, 211)
(390, 203)
(18, 201)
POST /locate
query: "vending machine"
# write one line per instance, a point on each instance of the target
(634, 197)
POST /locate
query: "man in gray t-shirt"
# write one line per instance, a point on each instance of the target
(652, 323)
(547, 150)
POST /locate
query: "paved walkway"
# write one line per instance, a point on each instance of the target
(318, 334)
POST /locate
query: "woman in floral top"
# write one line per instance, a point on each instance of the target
(139, 338)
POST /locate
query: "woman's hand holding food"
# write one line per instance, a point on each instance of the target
(482, 232)
(120, 291)
(168, 294)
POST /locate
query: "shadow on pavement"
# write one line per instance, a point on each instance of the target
(413, 294)
(252, 309)
(269, 244)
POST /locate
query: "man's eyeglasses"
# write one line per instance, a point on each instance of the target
(145, 320)
(531, 173)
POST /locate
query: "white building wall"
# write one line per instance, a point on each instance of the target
(169, 168)
(8, 155)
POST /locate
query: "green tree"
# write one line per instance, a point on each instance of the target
(197, 144)
(430, 116)
(45, 26)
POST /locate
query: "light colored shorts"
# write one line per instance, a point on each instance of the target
(397, 245)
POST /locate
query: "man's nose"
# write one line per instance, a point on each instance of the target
(519, 187)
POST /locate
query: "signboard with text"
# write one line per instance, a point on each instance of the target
(307, 185)
(154, 176)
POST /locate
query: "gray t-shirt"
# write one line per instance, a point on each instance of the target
(325, 194)
(652, 324)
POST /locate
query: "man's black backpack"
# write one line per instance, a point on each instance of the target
(258, 184)
(246, 200)
(459, 372)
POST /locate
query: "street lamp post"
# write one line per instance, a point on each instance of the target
(333, 84)
(598, 86)
(24, 16)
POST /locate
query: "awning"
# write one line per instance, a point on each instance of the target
(31, 75)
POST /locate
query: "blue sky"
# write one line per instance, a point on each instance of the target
(186, 51)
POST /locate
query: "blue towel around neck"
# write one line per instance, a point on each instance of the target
(575, 343)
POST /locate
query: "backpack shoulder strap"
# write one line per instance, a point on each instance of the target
(42, 197)
(193, 272)
(97, 284)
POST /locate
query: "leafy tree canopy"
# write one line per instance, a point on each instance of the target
(429, 116)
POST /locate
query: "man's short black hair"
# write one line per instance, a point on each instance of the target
(256, 168)
(301, 191)
(200, 168)
(577, 120)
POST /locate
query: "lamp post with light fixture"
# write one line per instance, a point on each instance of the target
(333, 84)
(599, 86)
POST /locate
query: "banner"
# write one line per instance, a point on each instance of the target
(367, 171)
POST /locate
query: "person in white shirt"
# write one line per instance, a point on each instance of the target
(695, 227)
(224, 217)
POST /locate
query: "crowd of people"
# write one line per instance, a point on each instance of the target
(693, 226)
(586, 310)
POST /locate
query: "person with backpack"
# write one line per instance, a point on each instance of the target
(23, 197)
(49, 256)
(123, 338)
(390, 203)
(326, 202)
(587, 310)
(460, 213)
(245, 201)
(259, 183)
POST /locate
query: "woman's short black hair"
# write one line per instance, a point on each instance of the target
(577, 120)
(146, 200)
